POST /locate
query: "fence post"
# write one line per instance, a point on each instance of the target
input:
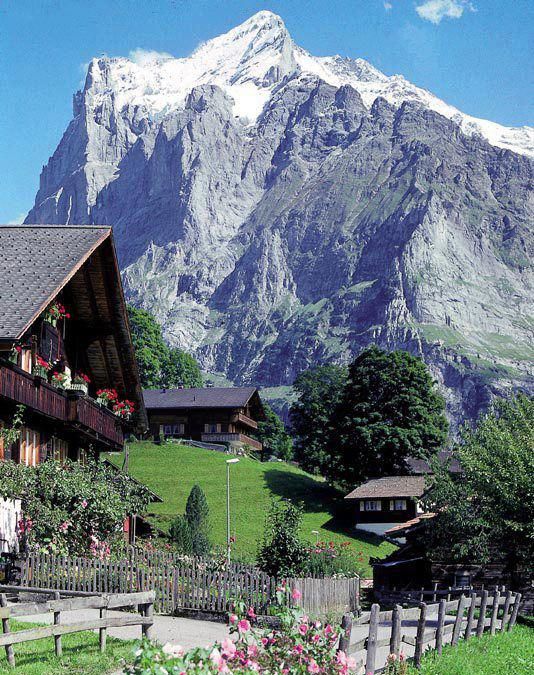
(419, 640)
(102, 633)
(470, 616)
(439, 627)
(396, 623)
(482, 616)
(517, 601)
(495, 610)
(506, 609)
(5, 628)
(459, 618)
(346, 630)
(57, 620)
(148, 611)
(370, 663)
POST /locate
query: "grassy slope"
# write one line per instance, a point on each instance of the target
(502, 654)
(171, 471)
(81, 655)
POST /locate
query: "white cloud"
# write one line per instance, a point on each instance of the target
(388, 6)
(143, 57)
(18, 220)
(436, 10)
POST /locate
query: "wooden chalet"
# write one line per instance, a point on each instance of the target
(381, 503)
(227, 415)
(73, 268)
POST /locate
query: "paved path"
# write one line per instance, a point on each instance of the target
(178, 631)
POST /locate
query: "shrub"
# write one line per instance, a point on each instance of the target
(331, 560)
(190, 532)
(282, 553)
(180, 533)
(299, 647)
(71, 509)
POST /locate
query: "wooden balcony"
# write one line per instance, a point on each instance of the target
(231, 438)
(75, 412)
(240, 418)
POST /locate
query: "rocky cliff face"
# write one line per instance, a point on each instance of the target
(276, 210)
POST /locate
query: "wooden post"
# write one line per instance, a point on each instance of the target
(396, 626)
(346, 630)
(58, 647)
(470, 616)
(513, 618)
(439, 628)
(148, 611)
(505, 617)
(434, 596)
(374, 619)
(459, 618)
(10, 654)
(420, 637)
(482, 616)
(103, 633)
(495, 610)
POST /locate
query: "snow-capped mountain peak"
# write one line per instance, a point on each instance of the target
(249, 61)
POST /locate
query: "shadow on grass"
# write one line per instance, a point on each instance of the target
(316, 497)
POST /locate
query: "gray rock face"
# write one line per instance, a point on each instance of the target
(304, 236)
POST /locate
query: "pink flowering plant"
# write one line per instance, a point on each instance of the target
(299, 646)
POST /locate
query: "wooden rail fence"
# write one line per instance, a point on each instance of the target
(180, 583)
(71, 600)
(376, 634)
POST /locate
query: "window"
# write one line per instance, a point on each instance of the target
(397, 505)
(212, 428)
(29, 447)
(372, 505)
(60, 449)
(173, 430)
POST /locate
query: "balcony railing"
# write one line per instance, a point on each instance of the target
(213, 437)
(246, 421)
(42, 398)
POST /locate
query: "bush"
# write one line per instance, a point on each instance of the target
(180, 533)
(71, 509)
(299, 647)
(330, 560)
(281, 552)
(190, 532)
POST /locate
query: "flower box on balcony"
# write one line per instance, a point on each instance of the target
(79, 386)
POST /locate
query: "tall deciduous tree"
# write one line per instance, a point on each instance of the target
(319, 391)
(282, 553)
(160, 365)
(488, 513)
(390, 411)
(272, 433)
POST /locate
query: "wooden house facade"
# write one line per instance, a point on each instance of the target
(382, 503)
(221, 415)
(62, 319)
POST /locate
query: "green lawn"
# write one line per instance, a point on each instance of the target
(171, 470)
(81, 655)
(502, 654)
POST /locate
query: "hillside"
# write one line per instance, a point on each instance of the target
(275, 210)
(172, 470)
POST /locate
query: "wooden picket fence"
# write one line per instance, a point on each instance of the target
(184, 583)
(376, 634)
(61, 601)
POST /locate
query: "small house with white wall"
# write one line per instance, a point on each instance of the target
(381, 503)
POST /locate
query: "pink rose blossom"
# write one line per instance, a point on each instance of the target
(233, 618)
(228, 648)
(303, 628)
(243, 626)
(296, 595)
(313, 667)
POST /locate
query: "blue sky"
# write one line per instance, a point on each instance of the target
(474, 54)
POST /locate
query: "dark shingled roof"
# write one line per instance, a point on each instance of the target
(36, 261)
(392, 486)
(209, 397)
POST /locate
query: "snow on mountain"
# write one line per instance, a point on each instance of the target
(253, 60)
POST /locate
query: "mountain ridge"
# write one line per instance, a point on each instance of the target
(272, 219)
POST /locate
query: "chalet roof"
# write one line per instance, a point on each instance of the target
(36, 261)
(391, 486)
(401, 529)
(208, 397)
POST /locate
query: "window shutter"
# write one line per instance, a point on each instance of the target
(362, 505)
(379, 505)
(392, 505)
